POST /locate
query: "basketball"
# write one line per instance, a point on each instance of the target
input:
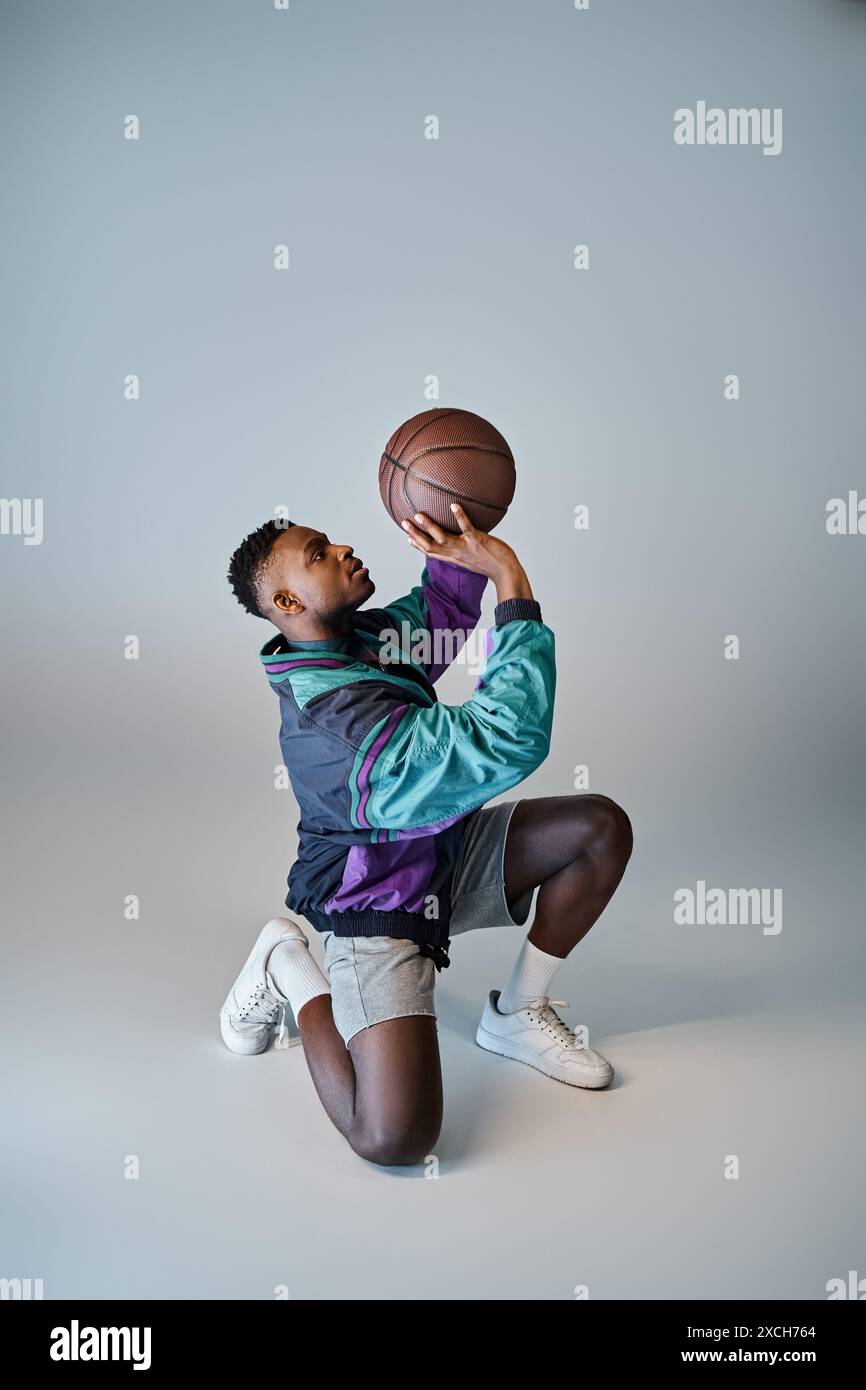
(443, 456)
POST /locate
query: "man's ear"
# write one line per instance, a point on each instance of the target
(287, 603)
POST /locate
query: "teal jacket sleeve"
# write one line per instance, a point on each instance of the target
(446, 760)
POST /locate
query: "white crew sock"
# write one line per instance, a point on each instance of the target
(296, 974)
(531, 977)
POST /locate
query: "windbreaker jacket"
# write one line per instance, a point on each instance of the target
(386, 776)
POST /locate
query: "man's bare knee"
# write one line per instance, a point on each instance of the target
(612, 830)
(393, 1147)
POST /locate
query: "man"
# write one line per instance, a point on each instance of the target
(396, 855)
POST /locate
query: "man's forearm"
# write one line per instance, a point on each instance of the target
(512, 583)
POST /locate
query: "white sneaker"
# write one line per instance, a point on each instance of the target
(538, 1036)
(248, 1016)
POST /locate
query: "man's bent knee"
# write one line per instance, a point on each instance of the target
(395, 1148)
(612, 828)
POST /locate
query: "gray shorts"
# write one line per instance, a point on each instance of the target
(378, 977)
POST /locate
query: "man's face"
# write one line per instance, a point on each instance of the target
(310, 574)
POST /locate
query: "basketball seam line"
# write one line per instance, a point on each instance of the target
(449, 449)
(445, 415)
(440, 487)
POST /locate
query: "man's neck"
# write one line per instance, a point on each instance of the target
(312, 631)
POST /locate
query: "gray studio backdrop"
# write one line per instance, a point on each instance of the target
(140, 1153)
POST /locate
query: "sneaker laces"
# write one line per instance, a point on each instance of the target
(551, 1021)
(261, 1007)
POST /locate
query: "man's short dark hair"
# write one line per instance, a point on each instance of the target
(248, 564)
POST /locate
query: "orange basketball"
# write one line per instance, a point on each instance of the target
(443, 456)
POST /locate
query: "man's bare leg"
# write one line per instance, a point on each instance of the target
(575, 850)
(384, 1091)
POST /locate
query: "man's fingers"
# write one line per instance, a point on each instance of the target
(462, 519)
(431, 527)
(418, 538)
